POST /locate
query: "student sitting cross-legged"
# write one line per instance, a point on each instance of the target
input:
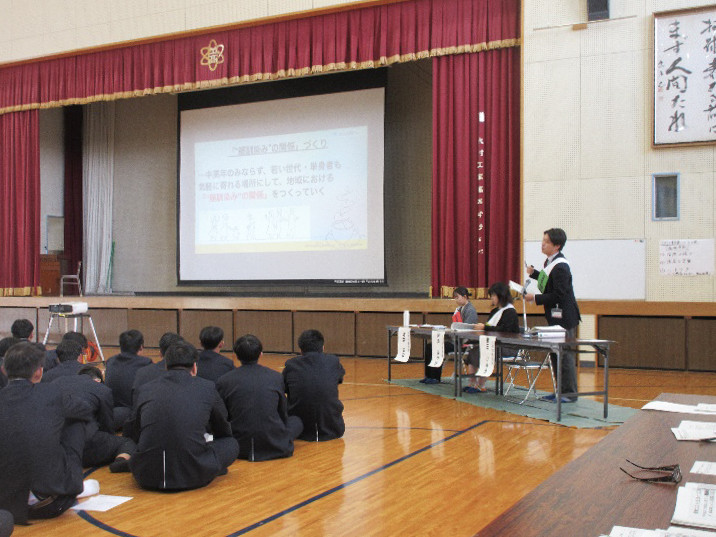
(311, 382)
(254, 396)
(41, 439)
(121, 370)
(212, 364)
(169, 422)
(102, 446)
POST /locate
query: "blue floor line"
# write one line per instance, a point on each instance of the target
(101, 525)
(351, 482)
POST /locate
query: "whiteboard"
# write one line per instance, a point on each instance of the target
(601, 269)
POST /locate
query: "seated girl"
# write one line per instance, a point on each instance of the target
(503, 318)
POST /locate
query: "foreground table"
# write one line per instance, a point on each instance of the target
(590, 495)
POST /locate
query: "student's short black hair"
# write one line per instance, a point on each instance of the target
(68, 350)
(22, 360)
(91, 371)
(502, 291)
(211, 336)
(181, 354)
(77, 337)
(248, 348)
(461, 291)
(6, 343)
(22, 329)
(131, 341)
(167, 340)
(557, 236)
(311, 341)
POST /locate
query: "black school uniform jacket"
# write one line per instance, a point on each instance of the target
(168, 423)
(311, 382)
(254, 396)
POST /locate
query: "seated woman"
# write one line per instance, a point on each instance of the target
(503, 318)
(464, 313)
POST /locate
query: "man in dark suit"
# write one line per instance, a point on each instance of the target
(68, 353)
(41, 439)
(149, 373)
(102, 445)
(169, 423)
(120, 372)
(211, 364)
(311, 382)
(560, 305)
(255, 398)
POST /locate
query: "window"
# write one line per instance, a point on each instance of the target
(665, 196)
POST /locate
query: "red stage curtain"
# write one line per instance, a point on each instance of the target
(19, 204)
(366, 37)
(73, 186)
(476, 178)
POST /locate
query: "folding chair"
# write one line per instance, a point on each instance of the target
(72, 279)
(532, 368)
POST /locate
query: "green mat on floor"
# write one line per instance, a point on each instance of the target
(584, 413)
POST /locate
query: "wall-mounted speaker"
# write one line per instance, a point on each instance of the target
(597, 9)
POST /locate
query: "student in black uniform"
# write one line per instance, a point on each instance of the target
(169, 422)
(311, 382)
(120, 371)
(102, 446)
(146, 374)
(41, 439)
(255, 398)
(212, 364)
(68, 353)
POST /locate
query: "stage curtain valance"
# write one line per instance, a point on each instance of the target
(371, 36)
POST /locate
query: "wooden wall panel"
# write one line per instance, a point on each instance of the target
(338, 329)
(10, 315)
(372, 334)
(273, 328)
(153, 324)
(649, 342)
(701, 344)
(192, 321)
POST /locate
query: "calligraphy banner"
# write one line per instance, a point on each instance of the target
(685, 76)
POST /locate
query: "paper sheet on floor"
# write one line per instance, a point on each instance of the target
(101, 502)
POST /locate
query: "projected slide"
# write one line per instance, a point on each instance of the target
(295, 192)
(289, 189)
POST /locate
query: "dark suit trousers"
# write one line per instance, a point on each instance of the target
(226, 451)
(569, 368)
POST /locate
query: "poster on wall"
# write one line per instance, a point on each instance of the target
(685, 76)
(686, 257)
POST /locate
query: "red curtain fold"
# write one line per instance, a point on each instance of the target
(365, 37)
(73, 210)
(19, 204)
(476, 179)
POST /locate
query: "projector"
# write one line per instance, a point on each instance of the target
(70, 308)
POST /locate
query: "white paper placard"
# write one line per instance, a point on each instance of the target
(686, 257)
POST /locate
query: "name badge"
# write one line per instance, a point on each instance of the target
(556, 313)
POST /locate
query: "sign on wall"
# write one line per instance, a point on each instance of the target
(685, 76)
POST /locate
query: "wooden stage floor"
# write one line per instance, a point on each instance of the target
(409, 464)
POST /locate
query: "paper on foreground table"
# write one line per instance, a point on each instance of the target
(695, 506)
